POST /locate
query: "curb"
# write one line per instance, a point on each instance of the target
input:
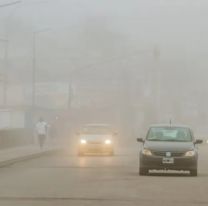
(28, 157)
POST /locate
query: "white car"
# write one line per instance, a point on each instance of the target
(96, 139)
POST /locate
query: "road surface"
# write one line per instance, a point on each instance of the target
(64, 179)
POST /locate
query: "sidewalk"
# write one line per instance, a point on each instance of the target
(10, 156)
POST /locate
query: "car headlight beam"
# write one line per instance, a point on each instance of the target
(108, 141)
(83, 141)
(146, 152)
(190, 153)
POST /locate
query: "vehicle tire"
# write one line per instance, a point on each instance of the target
(193, 172)
(143, 171)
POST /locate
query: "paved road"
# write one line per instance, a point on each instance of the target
(64, 179)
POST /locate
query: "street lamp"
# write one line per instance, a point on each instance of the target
(6, 42)
(34, 69)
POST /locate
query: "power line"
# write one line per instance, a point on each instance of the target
(10, 4)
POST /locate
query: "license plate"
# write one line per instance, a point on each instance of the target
(168, 160)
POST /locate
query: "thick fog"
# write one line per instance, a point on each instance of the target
(127, 63)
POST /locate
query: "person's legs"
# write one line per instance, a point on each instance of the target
(41, 140)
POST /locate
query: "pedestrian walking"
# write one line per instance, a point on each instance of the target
(41, 129)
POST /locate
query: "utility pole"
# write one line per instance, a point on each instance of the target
(34, 67)
(5, 74)
(34, 74)
(6, 50)
(6, 42)
(69, 94)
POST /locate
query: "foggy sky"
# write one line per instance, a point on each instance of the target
(111, 35)
(178, 27)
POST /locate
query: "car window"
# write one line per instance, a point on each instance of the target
(169, 134)
(96, 130)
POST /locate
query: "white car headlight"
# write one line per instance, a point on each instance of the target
(108, 141)
(146, 152)
(83, 141)
(190, 153)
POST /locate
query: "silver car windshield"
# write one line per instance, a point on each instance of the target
(96, 130)
(175, 134)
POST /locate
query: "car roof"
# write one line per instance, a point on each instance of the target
(97, 125)
(168, 125)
